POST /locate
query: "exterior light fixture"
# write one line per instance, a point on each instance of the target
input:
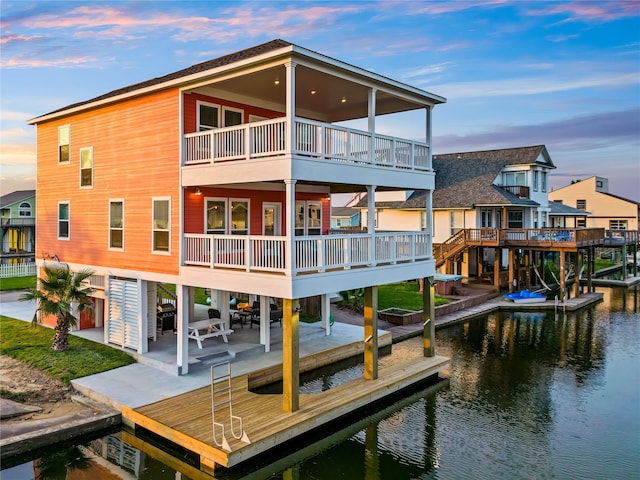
(276, 81)
(344, 100)
(313, 92)
(198, 192)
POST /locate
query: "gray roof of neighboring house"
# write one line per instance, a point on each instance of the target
(559, 209)
(15, 197)
(344, 211)
(465, 179)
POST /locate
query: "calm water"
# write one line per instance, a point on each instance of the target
(530, 395)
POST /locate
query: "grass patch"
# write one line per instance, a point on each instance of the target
(9, 395)
(17, 283)
(31, 344)
(404, 295)
(600, 263)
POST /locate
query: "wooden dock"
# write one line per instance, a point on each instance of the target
(186, 420)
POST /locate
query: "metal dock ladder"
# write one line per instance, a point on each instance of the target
(221, 397)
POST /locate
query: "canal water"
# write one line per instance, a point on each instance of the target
(529, 396)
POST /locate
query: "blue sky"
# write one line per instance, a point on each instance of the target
(515, 73)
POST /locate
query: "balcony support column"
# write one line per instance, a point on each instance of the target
(290, 356)
(290, 100)
(372, 124)
(576, 284)
(371, 333)
(371, 222)
(512, 279)
(429, 219)
(428, 317)
(590, 257)
(325, 313)
(182, 324)
(428, 136)
(265, 322)
(497, 253)
(290, 225)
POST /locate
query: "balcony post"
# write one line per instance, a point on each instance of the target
(371, 222)
(290, 226)
(290, 106)
(371, 333)
(428, 136)
(372, 124)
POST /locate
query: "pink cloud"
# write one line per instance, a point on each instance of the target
(18, 62)
(18, 38)
(600, 11)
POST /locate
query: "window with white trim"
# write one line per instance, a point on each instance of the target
(161, 225)
(515, 219)
(64, 143)
(515, 178)
(63, 221)
(86, 167)
(456, 219)
(208, 116)
(232, 116)
(618, 224)
(543, 179)
(24, 209)
(536, 174)
(227, 216)
(308, 218)
(116, 224)
(486, 218)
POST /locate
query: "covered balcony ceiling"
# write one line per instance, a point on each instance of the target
(319, 96)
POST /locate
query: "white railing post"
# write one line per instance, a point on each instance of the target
(247, 253)
(247, 141)
(347, 245)
(320, 244)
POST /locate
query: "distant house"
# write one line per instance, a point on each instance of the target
(607, 210)
(342, 217)
(504, 188)
(564, 216)
(18, 220)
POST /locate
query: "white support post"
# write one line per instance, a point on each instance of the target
(325, 313)
(290, 226)
(290, 113)
(372, 124)
(429, 220)
(265, 323)
(428, 136)
(223, 305)
(143, 319)
(182, 323)
(371, 222)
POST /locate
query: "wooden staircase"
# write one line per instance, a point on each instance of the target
(460, 241)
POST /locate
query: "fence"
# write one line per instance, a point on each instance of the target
(18, 270)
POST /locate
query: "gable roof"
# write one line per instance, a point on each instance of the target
(344, 211)
(185, 72)
(201, 70)
(465, 180)
(15, 197)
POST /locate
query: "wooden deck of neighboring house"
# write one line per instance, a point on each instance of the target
(186, 420)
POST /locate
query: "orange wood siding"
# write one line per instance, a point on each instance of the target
(190, 114)
(194, 207)
(136, 157)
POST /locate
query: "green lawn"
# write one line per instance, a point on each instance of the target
(32, 345)
(17, 283)
(404, 295)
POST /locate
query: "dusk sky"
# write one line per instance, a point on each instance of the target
(515, 73)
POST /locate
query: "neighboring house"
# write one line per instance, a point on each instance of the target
(219, 176)
(345, 217)
(564, 216)
(607, 210)
(504, 188)
(18, 220)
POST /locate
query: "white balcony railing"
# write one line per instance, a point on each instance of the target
(311, 254)
(321, 141)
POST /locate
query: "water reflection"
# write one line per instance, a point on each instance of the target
(530, 395)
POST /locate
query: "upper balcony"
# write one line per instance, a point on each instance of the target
(321, 142)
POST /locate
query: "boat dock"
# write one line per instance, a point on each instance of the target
(186, 419)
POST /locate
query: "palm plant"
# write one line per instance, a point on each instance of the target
(58, 292)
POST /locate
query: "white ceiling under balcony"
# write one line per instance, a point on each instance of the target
(320, 96)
